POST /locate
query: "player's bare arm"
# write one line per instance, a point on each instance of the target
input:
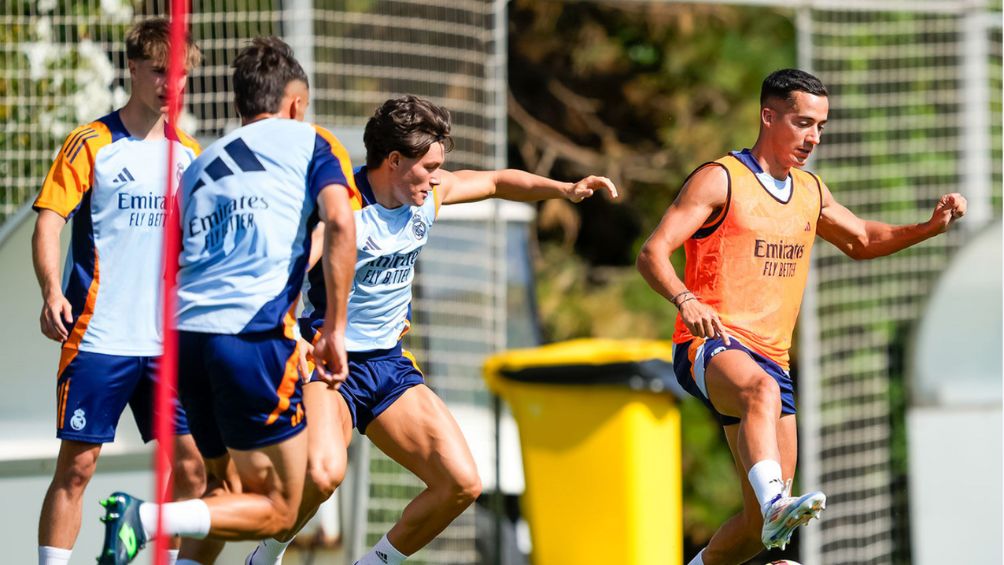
(702, 198)
(339, 260)
(513, 184)
(866, 239)
(45, 253)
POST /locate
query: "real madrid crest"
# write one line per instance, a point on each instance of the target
(78, 421)
(418, 226)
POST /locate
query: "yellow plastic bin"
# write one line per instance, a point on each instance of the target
(600, 435)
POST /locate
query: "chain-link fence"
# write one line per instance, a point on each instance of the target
(63, 64)
(914, 114)
(446, 51)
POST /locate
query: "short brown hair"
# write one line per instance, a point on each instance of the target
(149, 40)
(262, 71)
(408, 125)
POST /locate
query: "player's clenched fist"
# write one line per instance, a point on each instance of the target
(55, 311)
(330, 358)
(949, 208)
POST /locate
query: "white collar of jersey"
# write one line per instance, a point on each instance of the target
(781, 189)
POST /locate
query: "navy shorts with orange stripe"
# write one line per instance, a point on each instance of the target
(692, 357)
(92, 392)
(239, 391)
(376, 379)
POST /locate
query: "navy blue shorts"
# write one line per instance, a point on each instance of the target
(376, 379)
(690, 359)
(240, 391)
(93, 389)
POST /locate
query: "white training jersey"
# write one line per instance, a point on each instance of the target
(388, 242)
(248, 205)
(112, 185)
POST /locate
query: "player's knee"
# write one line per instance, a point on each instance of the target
(327, 475)
(464, 487)
(74, 477)
(472, 490)
(762, 394)
(189, 477)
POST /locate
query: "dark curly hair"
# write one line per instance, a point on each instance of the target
(408, 125)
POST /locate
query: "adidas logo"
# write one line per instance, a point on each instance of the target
(371, 246)
(381, 555)
(124, 176)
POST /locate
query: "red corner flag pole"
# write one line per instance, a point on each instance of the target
(168, 375)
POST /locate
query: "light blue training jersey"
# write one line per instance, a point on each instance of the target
(248, 205)
(112, 185)
(388, 242)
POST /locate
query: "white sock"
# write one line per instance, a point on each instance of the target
(765, 478)
(268, 552)
(383, 553)
(172, 556)
(188, 518)
(698, 559)
(53, 555)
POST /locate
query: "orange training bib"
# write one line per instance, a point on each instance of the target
(750, 263)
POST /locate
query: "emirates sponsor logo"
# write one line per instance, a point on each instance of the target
(778, 249)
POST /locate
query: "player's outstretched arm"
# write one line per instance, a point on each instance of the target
(513, 184)
(866, 239)
(702, 198)
(339, 262)
(56, 308)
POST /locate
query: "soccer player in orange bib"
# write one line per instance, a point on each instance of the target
(747, 223)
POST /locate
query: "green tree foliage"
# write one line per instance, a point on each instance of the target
(646, 92)
(56, 76)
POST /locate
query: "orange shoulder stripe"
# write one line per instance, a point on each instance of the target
(188, 141)
(72, 172)
(340, 153)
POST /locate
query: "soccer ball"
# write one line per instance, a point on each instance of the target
(783, 562)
